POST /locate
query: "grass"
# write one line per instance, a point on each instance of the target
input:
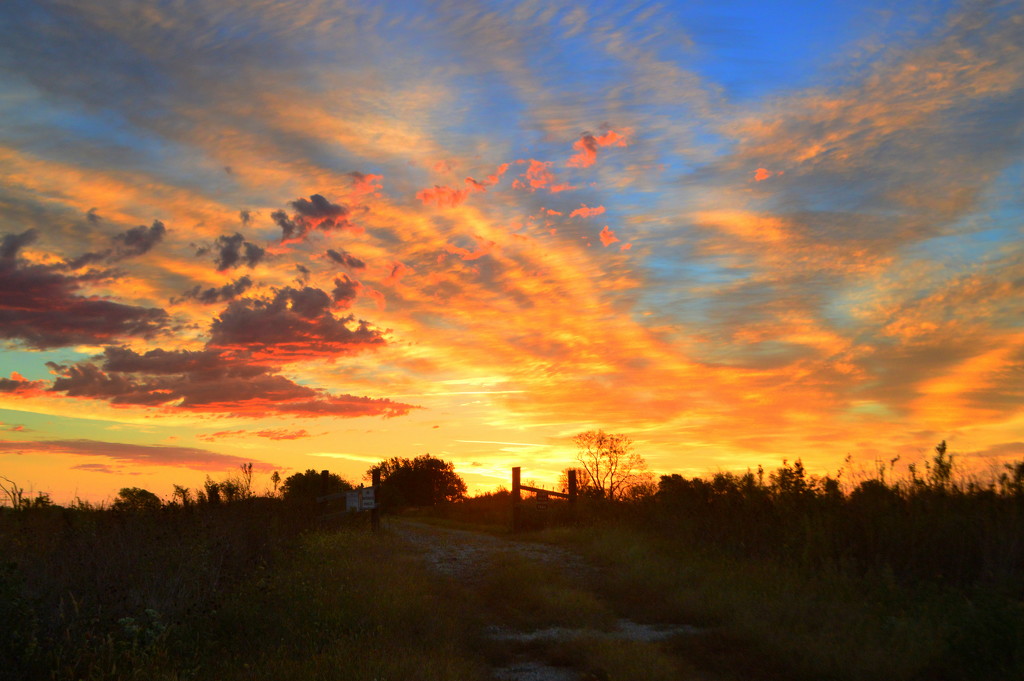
(789, 577)
(219, 593)
(767, 619)
(343, 605)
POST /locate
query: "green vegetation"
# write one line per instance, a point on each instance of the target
(787, 575)
(806, 577)
(341, 605)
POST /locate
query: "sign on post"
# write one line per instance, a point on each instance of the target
(367, 499)
(362, 499)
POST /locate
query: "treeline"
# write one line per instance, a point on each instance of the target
(928, 525)
(93, 591)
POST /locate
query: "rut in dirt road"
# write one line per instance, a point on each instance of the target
(546, 644)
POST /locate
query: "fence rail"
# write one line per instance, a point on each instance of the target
(517, 495)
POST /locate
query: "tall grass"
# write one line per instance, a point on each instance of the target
(341, 605)
(914, 577)
(253, 589)
(88, 592)
(961, 534)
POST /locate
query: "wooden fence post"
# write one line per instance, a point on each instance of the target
(375, 511)
(572, 486)
(517, 501)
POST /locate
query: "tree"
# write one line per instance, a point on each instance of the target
(307, 486)
(245, 480)
(182, 495)
(584, 488)
(610, 465)
(136, 499)
(423, 481)
(14, 493)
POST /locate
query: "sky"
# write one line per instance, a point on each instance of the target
(319, 233)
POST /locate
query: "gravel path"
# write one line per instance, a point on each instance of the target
(466, 556)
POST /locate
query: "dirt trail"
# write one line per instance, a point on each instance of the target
(466, 556)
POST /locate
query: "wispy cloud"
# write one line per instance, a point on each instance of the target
(133, 454)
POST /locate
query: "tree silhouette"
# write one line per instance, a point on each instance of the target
(136, 499)
(307, 486)
(610, 465)
(423, 481)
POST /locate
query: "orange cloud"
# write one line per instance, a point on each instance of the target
(365, 183)
(484, 246)
(608, 236)
(19, 385)
(762, 174)
(270, 434)
(585, 211)
(447, 197)
(587, 147)
(493, 179)
(537, 175)
(398, 270)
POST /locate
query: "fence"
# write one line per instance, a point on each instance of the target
(517, 495)
(356, 500)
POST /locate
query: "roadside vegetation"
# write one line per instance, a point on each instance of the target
(786, 574)
(918, 575)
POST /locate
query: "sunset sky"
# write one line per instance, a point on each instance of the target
(317, 233)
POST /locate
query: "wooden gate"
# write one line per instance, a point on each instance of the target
(517, 495)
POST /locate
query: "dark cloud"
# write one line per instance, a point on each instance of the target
(345, 291)
(40, 307)
(133, 242)
(139, 240)
(153, 455)
(88, 380)
(93, 217)
(219, 294)
(1003, 449)
(160, 361)
(12, 243)
(17, 384)
(304, 274)
(234, 251)
(290, 229)
(319, 208)
(245, 216)
(205, 381)
(294, 322)
(88, 259)
(316, 212)
(346, 259)
(94, 468)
